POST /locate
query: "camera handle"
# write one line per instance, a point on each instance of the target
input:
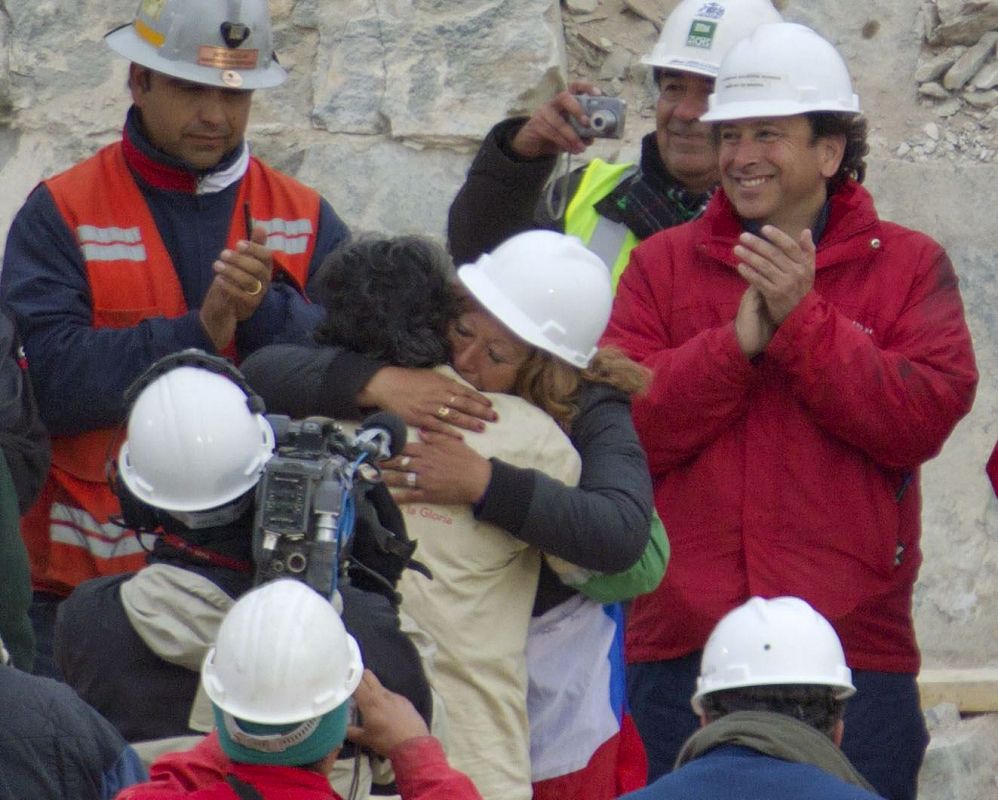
(334, 520)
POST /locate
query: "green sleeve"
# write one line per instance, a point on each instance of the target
(643, 577)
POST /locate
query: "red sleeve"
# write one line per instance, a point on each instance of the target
(699, 388)
(992, 468)
(174, 775)
(897, 395)
(422, 773)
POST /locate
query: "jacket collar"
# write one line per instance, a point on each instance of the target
(161, 171)
(774, 735)
(848, 213)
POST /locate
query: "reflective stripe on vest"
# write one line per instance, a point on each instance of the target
(74, 527)
(610, 240)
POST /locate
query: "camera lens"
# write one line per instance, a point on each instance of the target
(603, 120)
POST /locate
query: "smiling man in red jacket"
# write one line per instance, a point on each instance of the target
(807, 358)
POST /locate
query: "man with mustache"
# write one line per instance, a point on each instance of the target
(611, 207)
(172, 237)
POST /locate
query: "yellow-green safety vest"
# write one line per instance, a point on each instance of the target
(611, 241)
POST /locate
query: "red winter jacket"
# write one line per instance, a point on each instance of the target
(795, 473)
(421, 773)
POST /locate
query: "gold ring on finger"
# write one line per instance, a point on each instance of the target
(256, 289)
(405, 461)
(452, 400)
(443, 411)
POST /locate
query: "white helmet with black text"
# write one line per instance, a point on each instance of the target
(225, 43)
(698, 33)
(781, 70)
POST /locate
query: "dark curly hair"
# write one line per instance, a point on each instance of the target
(388, 299)
(811, 704)
(854, 128)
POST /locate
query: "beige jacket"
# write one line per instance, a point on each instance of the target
(477, 607)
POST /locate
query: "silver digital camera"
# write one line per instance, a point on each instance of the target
(606, 117)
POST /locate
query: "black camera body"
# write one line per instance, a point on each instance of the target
(298, 529)
(606, 117)
(306, 498)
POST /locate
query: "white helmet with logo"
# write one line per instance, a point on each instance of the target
(547, 288)
(226, 43)
(781, 70)
(775, 642)
(698, 33)
(193, 442)
(282, 655)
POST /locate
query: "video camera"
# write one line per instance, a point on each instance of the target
(307, 497)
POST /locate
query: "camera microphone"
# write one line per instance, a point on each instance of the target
(381, 436)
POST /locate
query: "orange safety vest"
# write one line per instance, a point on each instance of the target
(68, 532)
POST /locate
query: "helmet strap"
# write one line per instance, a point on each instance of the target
(273, 742)
(213, 517)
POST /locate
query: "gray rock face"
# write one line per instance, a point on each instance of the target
(936, 65)
(962, 21)
(987, 77)
(962, 761)
(973, 59)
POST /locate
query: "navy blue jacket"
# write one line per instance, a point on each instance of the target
(737, 772)
(53, 746)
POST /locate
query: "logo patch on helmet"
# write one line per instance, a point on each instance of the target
(223, 58)
(234, 34)
(701, 34)
(711, 11)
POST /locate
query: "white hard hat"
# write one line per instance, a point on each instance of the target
(775, 642)
(698, 33)
(225, 43)
(193, 442)
(282, 655)
(547, 288)
(781, 70)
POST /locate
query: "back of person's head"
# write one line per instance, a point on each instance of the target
(196, 445)
(229, 45)
(777, 655)
(280, 676)
(388, 299)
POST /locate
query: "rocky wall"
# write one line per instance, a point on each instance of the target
(388, 98)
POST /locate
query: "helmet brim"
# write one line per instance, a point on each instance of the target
(126, 42)
(759, 109)
(496, 303)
